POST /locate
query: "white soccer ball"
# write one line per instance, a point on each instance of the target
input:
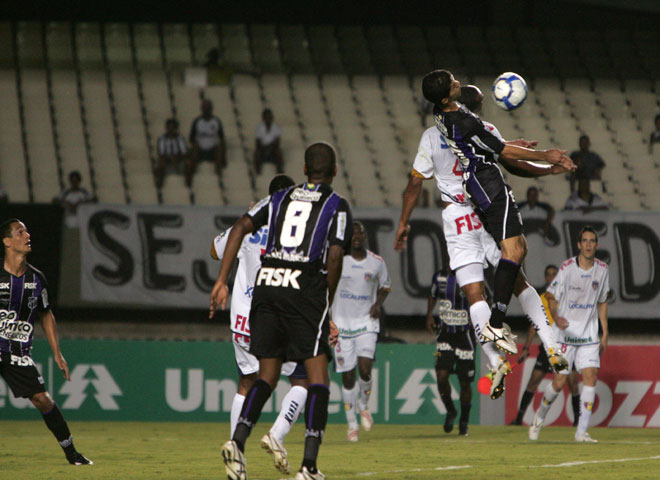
(509, 91)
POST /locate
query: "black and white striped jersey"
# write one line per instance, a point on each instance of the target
(303, 222)
(172, 146)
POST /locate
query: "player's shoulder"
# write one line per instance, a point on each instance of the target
(567, 263)
(375, 256)
(600, 264)
(37, 272)
(489, 126)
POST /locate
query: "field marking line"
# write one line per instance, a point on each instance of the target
(587, 462)
(411, 470)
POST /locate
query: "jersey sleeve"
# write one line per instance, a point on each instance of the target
(471, 128)
(384, 282)
(259, 214)
(220, 243)
(43, 304)
(605, 287)
(423, 163)
(341, 229)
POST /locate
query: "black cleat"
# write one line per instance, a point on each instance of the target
(463, 429)
(516, 421)
(449, 421)
(77, 458)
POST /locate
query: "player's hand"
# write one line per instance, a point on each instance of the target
(61, 363)
(374, 311)
(558, 157)
(562, 323)
(219, 296)
(401, 238)
(557, 169)
(603, 345)
(430, 325)
(334, 334)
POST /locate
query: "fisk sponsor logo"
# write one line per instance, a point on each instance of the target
(4, 286)
(279, 277)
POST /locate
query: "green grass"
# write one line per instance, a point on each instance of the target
(191, 450)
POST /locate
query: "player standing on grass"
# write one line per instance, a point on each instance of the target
(23, 299)
(309, 230)
(477, 148)
(578, 299)
(363, 288)
(249, 256)
(468, 244)
(455, 346)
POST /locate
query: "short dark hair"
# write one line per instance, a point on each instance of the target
(532, 188)
(548, 267)
(587, 228)
(471, 97)
(436, 86)
(584, 136)
(266, 110)
(279, 182)
(75, 174)
(171, 121)
(5, 227)
(320, 160)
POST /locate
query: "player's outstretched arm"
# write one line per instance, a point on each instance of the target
(410, 196)
(335, 264)
(527, 169)
(220, 292)
(50, 330)
(552, 156)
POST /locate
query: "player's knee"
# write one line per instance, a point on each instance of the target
(348, 379)
(42, 401)
(442, 375)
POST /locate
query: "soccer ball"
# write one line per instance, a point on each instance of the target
(509, 91)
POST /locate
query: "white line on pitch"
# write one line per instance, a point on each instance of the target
(451, 467)
(586, 462)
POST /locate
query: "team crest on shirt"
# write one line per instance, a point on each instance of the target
(32, 302)
(368, 277)
(595, 285)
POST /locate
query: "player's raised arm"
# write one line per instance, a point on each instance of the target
(410, 196)
(552, 156)
(527, 169)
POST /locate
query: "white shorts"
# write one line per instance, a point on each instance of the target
(467, 239)
(348, 349)
(247, 363)
(582, 356)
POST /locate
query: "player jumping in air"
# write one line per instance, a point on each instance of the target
(23, 299)
(578, 300)
(309, 231)
(249, 256)
(363, 288)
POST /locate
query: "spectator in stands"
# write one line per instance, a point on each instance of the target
(212, 58)
(589, 164)
(655, 135)
(173, 152)
(584, 200)
(207, 139)
(71, 198)
(532, 208)
(267, 143)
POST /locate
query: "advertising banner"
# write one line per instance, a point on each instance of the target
(627, 391)
(196, 381)
(158, 256)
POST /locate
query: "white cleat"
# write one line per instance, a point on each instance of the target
(277, 450)
(585, 438)
(366, 419)
(305, 474)
(557, 361)
(535, 428)
(501, 337)
(352, 435)
(499, 374)
(234, 461)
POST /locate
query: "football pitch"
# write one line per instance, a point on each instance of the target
(191, 450)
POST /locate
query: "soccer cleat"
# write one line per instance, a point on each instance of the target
(463, 429)
(277, 450)
(366, 419)
(535, 428)
(305, 474)
(234, 461)
(499, 374)
(557, 361)
(501, 337)
(449, 421)
(77, 458)
(585, 438)
(352, 435)
(516, 421)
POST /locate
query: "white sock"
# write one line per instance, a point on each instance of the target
(492, 353)
(480, 314)
(365, 392)
(533, 308)
(587, 398)
(236, 407)
(292, 405)
(350, 399)
(549, 396)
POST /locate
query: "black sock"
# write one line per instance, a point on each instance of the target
(465, 412)
(254, 402)
(505, 280)
(575, 400)
(56, 424)
(448, 403)
(316, 416)
(524, 403)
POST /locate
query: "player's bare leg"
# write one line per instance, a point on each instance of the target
(365, 381)
(549, 396)
(587, 397)
(444, 389)
(534, 381)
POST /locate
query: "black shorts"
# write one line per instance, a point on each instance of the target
(21, 375)
(542, 362)
(455, 353)
(290, 322)
(502, 218)
(208, 155)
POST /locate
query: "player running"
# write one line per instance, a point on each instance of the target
(468, 244)
(455, 346)
(363, 287)
(309, 230)
(249, 256)
(578, 299)
(477, 150)
(23, 299)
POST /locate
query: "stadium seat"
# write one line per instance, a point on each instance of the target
(147, 46)
(236, 47)
(177, 45)
(88, 45)
(325, 50)
(29, 45)
(13, 174)
(6, 45)
(265, 46)
(118, 45)
(295, 49)
(204, 38)
(59, 47)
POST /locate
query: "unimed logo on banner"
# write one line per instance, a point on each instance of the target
(627, 392)
(90, 381)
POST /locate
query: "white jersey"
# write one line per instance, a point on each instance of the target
(357, 292)
(579, 292)
(249, 258)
